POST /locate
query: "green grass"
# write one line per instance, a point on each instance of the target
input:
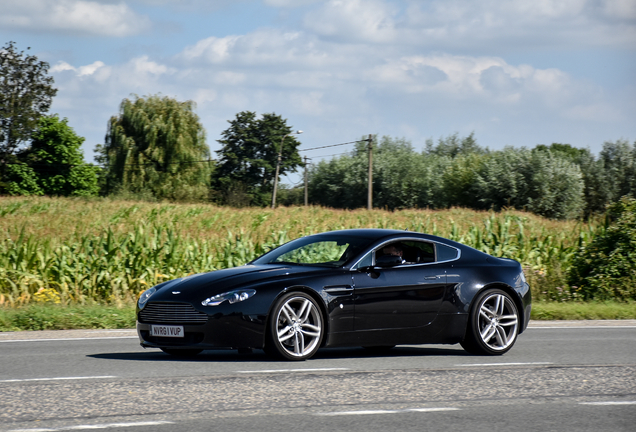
(583, 310)
(57, 317)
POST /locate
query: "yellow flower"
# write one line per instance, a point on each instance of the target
(47, 295)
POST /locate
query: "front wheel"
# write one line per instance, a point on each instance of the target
(493, 324)
(296, 327)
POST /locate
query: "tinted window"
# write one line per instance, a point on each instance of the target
(446, 253)
(412, 252)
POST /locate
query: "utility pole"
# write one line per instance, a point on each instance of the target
(280, 156)
(370, 187)
(306, 194)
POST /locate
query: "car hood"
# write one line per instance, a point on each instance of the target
(219, 281)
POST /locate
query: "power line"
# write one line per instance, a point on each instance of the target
(183, 162)
(332, 145)
(326, 156)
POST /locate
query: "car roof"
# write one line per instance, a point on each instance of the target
(378, 234)
(381, 233)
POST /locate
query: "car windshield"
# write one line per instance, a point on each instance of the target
(323, 251)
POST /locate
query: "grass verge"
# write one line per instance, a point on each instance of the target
(583, 310)
(55, 317)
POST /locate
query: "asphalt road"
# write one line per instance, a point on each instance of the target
(578, 376)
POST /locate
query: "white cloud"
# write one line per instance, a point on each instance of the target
(325, 77)
(477, 24)
(622, 9)
(356, 20)
(80, 71)
(265, 48)
(143, 66)
(403, 68)
(61, 67)
(269, 68)
(78, 17)
(90, 69)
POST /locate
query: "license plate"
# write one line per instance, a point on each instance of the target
(166, 331)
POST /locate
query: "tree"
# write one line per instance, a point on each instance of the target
(156, 147)
(605, 269)
(340, 182)
(57, 160)
(249, 154)
(619, 163)
(538, 181)
(20, 179)
(556, 186)
(26, 93)
(53, 164)
(453, 146)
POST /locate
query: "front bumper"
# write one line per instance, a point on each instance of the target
(237, 331)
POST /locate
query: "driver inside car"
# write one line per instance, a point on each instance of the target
(394, 249)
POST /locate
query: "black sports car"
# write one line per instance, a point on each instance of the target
(361, 287)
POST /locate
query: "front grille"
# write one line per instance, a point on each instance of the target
(171, 313)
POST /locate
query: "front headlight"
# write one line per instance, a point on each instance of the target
(143, 298)
(231, 296)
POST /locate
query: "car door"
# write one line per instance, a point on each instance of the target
(407, 295)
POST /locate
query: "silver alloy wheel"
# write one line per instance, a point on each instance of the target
(299, 326)
(498, 321)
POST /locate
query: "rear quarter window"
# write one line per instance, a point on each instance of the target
(446, 253)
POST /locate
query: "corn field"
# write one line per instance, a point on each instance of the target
(78, 251)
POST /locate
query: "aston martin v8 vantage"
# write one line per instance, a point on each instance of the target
(359, 287)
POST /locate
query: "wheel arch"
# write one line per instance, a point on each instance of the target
(511, 292)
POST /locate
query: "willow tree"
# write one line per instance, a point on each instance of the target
(156, 147)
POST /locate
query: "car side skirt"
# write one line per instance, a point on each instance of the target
(445, 329)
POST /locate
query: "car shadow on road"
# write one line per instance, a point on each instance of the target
(232, 355)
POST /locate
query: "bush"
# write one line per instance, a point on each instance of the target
(606, 268)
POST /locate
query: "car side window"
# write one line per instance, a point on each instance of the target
(417, 252)
(411, 252)
(446, 253)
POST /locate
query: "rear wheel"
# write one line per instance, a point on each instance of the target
(296, 327)
(493, 324)
(181, 352)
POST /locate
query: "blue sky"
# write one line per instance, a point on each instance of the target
(514, 72)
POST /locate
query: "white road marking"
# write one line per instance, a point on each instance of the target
(97, 426)
(583, 327)
(610, 403)
(374, 412)
(505, 364)
(69, 339)
(293, 370)
(57, 379)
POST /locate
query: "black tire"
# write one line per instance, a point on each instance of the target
(296, 327)
(493, 324)
(181, 352)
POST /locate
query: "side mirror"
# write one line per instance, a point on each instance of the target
(388, 261)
